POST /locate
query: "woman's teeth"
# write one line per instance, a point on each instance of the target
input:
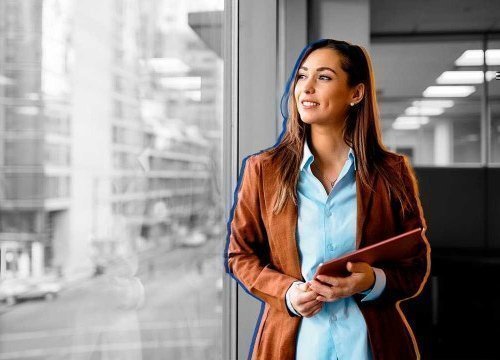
(309, 104)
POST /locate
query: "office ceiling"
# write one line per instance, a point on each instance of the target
(423, 16)
(405, 64)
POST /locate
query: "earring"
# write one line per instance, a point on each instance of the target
(352, 104)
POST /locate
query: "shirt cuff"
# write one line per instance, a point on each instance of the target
(289, 302)
(378, 287)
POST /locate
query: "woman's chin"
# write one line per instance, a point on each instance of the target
(310, 120)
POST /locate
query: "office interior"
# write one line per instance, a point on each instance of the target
(451, 139)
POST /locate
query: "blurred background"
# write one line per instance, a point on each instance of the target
(122, 127)
(110, 172)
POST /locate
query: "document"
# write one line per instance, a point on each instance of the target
(390, 250)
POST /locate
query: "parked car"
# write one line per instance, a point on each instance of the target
(13, 290)
(194, 239)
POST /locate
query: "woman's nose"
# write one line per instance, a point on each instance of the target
(308, 86)
(309, 90)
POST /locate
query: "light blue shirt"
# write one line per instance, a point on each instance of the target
(326, 229)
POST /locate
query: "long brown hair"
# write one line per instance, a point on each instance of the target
(361, 130)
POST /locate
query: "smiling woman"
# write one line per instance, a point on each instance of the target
(290, 217)
(324, 89)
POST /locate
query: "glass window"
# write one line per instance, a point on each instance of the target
(24, 83)
(57, 154)
(19, 118)
(17, 221)
(110, 204)
(56, 123)
(23, 152)
(56, 187)
(22, 186)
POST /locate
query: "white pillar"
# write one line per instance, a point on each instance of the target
(443, 137)
(23, 265)
(3, 261)
(37, 253)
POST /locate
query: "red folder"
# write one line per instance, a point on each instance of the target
(393, 249)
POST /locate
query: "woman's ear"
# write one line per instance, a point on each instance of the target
(358, 93)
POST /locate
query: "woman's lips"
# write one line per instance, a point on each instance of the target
(309, 104)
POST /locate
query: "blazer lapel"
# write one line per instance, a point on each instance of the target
(290, 217)
(363, 198)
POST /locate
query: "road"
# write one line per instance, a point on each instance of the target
(170, 310)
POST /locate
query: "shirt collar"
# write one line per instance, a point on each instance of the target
(308, 157)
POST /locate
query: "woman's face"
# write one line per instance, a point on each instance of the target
(321, 80)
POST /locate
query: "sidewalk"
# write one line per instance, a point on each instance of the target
(147, 261)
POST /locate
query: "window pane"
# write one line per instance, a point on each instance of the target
(110, 174)
(429, 111)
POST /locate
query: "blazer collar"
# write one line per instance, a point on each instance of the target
(308, 157)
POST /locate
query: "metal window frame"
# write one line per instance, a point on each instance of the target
(229, 164)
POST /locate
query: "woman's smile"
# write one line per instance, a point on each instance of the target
(309, 105)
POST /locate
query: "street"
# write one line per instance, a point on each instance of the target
(170, 310)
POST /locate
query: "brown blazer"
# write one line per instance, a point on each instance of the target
(262, 254)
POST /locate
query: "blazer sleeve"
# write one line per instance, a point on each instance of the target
(248, 255)
(405, 279)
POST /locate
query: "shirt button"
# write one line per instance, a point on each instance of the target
(328, 213)
(333, 317)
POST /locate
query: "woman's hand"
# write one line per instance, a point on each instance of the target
(304, 300)
(331, 288)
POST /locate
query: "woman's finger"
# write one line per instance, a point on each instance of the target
(309, 304)
(305, 307)
(306, 296)
(328, 299)
(330, 280)
(311, 314)
(321, 289)
(313, 310)
(334, 281)
(318, 306)
(316, 311)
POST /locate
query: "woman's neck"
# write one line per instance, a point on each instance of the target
(328, 147)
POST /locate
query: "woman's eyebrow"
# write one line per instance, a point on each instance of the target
(320, 69)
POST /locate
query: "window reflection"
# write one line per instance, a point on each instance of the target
(110, 208)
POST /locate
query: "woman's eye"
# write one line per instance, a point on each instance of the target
(322, 77)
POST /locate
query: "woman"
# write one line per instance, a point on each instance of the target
(328, 187)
